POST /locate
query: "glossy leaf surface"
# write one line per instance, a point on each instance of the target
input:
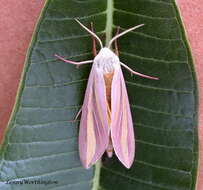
(41, 141)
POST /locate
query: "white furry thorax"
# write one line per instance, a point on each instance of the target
(106, 61)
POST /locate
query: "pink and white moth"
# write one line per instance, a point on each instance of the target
(106, 122)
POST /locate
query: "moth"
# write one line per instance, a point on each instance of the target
(106, 121)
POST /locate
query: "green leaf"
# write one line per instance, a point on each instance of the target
(41, 140)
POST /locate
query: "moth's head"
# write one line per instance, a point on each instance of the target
(106, 52)
(106, 60)
(107, 55)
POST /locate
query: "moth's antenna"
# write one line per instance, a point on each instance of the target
(92, 33)
(123, 33)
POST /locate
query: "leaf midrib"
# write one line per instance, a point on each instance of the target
(109, 21)
(109, 30)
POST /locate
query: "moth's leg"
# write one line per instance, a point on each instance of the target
(94, 50)
(116, 41)
(79, 112)
(139, 74)
(73, 62)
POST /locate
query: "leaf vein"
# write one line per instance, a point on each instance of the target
(144, 16)
(44, 141)
(150, 36)
(46, 123)
(160, 89)
(48, 173)
(65, 57)
(57, 107)
(162, 167)
(56, 85)
(41, 157)
(152, 59)
(68, 38)
(73, 18)
(160, 2)
(161, 145)
(160, 129)
(161, 112)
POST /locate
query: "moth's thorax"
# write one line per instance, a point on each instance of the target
(106, 61)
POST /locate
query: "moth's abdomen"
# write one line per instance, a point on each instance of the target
(108, 77)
